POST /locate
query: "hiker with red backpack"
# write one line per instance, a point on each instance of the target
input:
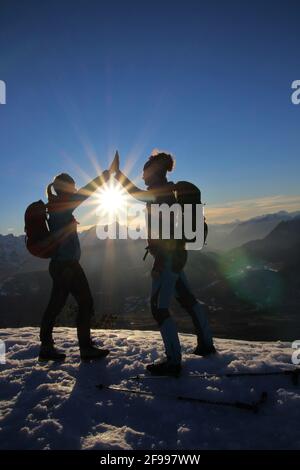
(170, 256)
(51, 231)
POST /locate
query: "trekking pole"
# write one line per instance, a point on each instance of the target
(293, 373)
(254, 406)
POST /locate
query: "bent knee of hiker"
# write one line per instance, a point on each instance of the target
(160, 315)
(187, 300)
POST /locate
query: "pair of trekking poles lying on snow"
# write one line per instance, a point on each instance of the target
(253, 406)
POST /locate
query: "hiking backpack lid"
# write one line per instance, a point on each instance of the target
(38, 240)
(188, 193)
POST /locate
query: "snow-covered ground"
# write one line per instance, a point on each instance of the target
(57, 406)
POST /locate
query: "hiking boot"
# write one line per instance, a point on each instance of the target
(164, 368)
(49, 353)
(90, 353)
(204, 350)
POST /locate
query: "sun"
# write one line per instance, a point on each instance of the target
(111, 199)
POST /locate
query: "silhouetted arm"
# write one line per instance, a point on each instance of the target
(86, 191)
(139, 194)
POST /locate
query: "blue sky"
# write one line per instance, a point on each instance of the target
(208, 81)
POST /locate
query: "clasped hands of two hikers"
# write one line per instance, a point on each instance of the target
(114, 167)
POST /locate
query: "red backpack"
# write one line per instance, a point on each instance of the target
(39, 240)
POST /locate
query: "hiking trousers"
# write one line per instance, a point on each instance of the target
(68, 278)
(165, 285)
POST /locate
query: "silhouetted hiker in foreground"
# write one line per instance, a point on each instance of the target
(168, 278)
(66, 272)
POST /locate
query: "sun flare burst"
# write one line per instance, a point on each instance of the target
(112, 199)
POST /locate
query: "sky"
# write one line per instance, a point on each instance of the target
(208, 81)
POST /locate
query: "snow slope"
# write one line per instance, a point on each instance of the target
(57, 406)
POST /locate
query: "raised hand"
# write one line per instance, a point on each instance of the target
(114, 167)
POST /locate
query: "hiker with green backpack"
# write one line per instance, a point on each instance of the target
(51, 232)
(170, 256)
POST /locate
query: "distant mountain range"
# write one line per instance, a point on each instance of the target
(265, 276)
(252, 291)
(280, 247)
(223, 237)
